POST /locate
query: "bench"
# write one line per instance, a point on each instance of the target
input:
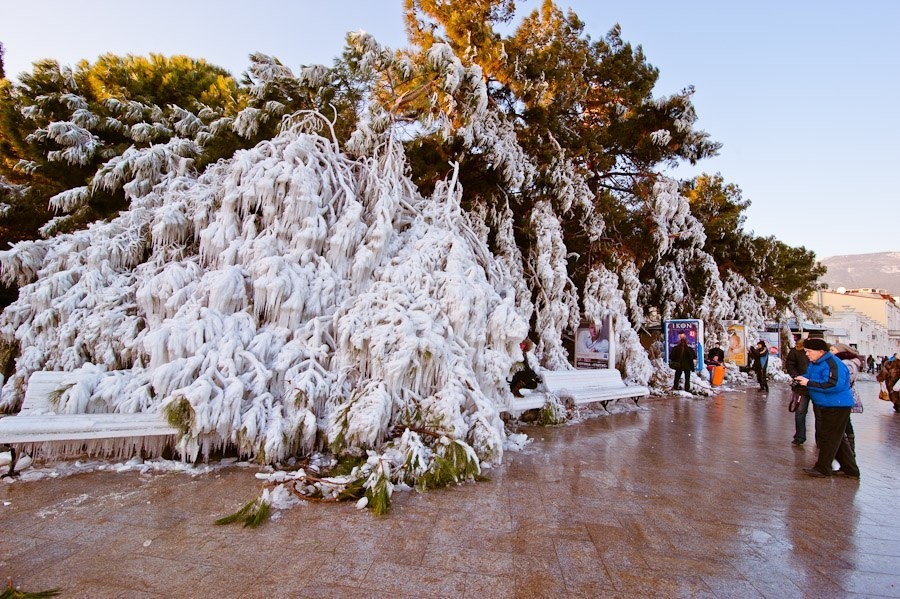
(579, 387)
(37, 428)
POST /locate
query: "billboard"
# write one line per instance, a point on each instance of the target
(773, 340)
(593, 345)
(736, 352)
(693, 332)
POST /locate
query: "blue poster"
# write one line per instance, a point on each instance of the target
(693, 332)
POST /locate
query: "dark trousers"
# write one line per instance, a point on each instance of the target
(800, 419)
(761, 378)
(831, 423)
(687, 379)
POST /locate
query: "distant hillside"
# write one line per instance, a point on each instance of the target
(881, 271)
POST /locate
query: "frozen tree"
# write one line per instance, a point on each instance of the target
(345, 259)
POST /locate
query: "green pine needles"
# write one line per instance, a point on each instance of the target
(252, 514)
(180, 415)
(379, 492)
(553, 412)
(452, 462)
(11, 592)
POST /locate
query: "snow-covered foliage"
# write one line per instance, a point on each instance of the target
(314, 299)
(300, 296)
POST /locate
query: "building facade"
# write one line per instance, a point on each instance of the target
(868, 319)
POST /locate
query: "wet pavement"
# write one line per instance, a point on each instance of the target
(686, 497)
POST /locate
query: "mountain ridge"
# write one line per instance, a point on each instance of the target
(880, 270)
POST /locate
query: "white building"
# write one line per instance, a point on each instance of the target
(868, 319)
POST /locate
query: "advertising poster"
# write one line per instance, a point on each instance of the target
(736, 352)
(693, 332)
(592, 345)
(773, 341)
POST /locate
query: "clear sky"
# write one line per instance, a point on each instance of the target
(802, 93)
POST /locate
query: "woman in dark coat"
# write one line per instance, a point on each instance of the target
(760, 365)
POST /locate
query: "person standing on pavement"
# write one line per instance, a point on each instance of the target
(681, 358)
(761, 364)
(828, 382)
(854, 364)
(796, 363)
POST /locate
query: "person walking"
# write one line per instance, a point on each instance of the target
(828, 382)
(796, 364)
(681, 358)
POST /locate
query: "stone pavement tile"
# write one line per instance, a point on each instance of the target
(525, 541)
(869, 562)
(13, 545)
(420, 581)
(479, 585)
(326, 590)
(267, 574)
(889, 547)
(766, 577)
(107, 592)
(646, 532)
(653, 583)
(580, 562)
(32, 565)
(595, 510)
(731, 588)
(539, 588)
(483, 561)
(146, 574)
(343, 568)
(623, 558)
(590, 589)
(559, 528)
(678, 562)
(402, 548)
(532, 572)
(872, 584)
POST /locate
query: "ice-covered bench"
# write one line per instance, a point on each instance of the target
(579, 387)
(37, 428)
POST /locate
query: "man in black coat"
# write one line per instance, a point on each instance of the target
(681, 358)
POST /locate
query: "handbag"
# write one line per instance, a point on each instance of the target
(857, 402)
(883, 393)
(795, 402)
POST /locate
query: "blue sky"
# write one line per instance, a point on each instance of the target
(802, 93)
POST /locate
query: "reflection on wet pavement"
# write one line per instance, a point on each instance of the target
(683, 497)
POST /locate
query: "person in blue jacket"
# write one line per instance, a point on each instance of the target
(828, 381)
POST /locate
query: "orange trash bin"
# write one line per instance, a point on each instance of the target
(718, 375)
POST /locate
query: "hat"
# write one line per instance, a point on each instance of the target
(815, 344)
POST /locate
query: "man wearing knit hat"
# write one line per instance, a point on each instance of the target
(828, 382)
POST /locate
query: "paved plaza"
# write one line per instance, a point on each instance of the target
(685, 497)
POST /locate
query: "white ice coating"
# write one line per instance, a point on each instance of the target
(311, 294)
(295, 296)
